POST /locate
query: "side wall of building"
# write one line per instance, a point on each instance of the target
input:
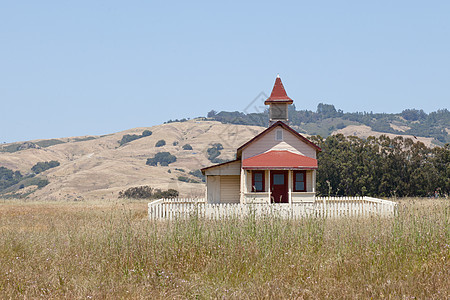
(223, 183)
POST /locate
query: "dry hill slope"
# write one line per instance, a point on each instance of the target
(99, 168)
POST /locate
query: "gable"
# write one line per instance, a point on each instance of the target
(228, 168)
(290, 141)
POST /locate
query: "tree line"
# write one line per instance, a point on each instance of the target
(381, 166)
(417, 122)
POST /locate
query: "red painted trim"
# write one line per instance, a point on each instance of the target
(278, 168)
(263, 180)
(304, 181)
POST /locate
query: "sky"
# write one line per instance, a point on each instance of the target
(74, 68)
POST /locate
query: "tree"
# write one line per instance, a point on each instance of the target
(44, 166)
(160, 143)
(187, 147)
(163, 158)
(146, 133)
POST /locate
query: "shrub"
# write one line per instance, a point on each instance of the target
(48, 143)
(146, 133)
(160, 143)
(198, 174)
(8, 178)
(214, 152)
(163, 158)
(44, 166)
(183, 178)
(147, 192)
(170, 193)
(131, 137)
(187, 147)
(186, 179)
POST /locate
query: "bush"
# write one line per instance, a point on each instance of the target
(160, 143)
(163, 158)
(146, 133)
(214, 152)
(44, 166)
(131, 137)
(198, 174)
(183, 178)
(8, 178)
(187, 147)
(186, 179)
(147, 192)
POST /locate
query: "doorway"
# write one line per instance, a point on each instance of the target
(279, 186)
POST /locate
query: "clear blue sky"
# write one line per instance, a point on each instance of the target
(71, 68)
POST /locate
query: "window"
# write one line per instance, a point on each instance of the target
(278, 179)
(258, 181)
(299, 181)
(279, 135)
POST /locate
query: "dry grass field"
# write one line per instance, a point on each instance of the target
(104, 250)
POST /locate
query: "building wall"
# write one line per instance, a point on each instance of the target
(229, 189)
(309, 181)
(268, 142)
(213, 189)
(232, 168)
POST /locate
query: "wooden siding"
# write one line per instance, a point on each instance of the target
(268, 142)
(213, 189)
(309, 181)
(232, 168)
(278, 111)
(229, 189)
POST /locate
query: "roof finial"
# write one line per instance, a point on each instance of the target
(278, 75)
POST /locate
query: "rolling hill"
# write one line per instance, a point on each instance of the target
(99, 167)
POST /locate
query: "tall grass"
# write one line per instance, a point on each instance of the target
(101, 250)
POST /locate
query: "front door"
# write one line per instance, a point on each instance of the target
(279, 186)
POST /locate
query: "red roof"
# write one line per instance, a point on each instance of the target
(279, 159)
(278, 93)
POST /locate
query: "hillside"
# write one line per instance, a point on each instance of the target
(99, 167)
(326, 120)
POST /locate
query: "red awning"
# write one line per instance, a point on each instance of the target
(279, 160)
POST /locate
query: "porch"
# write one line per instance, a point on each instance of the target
(278, 186)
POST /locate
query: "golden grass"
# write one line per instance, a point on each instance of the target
(110, 250)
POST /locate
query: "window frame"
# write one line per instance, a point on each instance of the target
(279, 131)
(295, 180)
(263, 173)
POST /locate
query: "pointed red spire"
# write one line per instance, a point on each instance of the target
(278, 93)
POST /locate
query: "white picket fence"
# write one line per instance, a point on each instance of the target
(169, 209)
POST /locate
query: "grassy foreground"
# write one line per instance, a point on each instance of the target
(110, 250)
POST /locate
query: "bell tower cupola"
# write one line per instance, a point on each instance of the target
(278, 103)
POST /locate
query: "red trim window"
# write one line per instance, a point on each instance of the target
(299, 181)
(258, 182)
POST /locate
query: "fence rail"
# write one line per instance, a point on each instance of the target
(168, 209)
